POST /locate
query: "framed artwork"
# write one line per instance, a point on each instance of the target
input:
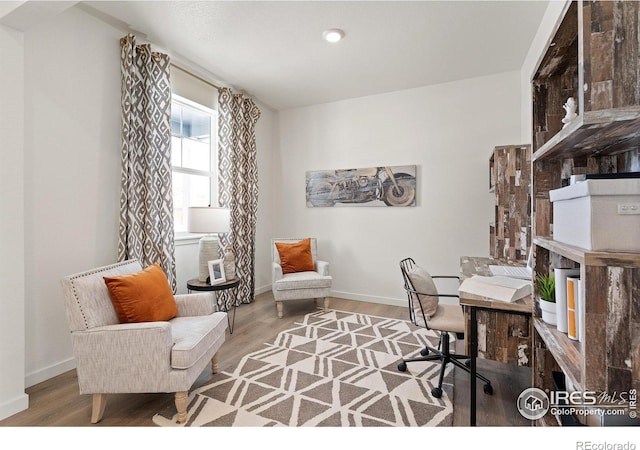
(370, 186)
(216, 272)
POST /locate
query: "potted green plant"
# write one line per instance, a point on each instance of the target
(546, 289)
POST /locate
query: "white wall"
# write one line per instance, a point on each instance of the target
(448, 131)
(12, 276)
(72, 161)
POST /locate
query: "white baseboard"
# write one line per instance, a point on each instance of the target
(369, 298)
(14, 406)
(383, 300)
(262, 290)
(352, 296)
(41, 375)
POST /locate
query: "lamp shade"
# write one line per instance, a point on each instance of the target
(203, 219)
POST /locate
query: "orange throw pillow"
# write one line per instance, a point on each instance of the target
(142, 297)
(295, 257)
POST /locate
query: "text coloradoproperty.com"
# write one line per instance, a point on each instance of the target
(570, 410)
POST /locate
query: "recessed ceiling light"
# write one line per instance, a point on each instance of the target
(333, 35)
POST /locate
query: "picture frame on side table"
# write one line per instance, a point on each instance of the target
(216, 272)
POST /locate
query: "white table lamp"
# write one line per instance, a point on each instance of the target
(210, 220)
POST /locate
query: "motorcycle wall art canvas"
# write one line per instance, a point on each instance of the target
(370, 186)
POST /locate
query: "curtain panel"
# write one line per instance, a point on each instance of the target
(146, 203)
(238, 186)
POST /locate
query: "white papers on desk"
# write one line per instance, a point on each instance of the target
(505, 289)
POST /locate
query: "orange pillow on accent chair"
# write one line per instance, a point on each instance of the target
(142, 297)
(295, 257)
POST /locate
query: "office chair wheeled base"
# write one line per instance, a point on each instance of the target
(445, 357)
(437, 392)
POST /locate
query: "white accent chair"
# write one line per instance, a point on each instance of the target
(299, 285)
(113, 357)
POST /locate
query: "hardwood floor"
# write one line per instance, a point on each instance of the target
(57, 403)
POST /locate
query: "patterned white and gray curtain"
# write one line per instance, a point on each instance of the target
(238, 186)
(146, 203)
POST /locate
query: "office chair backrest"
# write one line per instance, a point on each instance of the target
(422, 293)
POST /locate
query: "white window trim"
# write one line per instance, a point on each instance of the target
(184, 237)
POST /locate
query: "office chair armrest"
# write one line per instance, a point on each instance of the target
(431, 295)
(447, 277)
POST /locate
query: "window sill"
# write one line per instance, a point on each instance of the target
(183, 238)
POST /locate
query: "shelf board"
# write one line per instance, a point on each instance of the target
(561, 48)
(595, 133)
(573, 253)
(587, 257)
(565, 351)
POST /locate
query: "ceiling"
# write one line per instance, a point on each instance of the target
(274, 50)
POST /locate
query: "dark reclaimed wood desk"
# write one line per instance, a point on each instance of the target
(496, 330)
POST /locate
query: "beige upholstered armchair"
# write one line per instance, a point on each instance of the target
(145, 357)
(315, 282)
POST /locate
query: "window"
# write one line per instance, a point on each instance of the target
(193, 161)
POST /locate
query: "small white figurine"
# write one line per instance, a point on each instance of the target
(570, 109)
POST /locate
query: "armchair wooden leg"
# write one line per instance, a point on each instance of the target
(326, 304)
(280, 309)
(182, 399)
(214, 363)
(99, 403)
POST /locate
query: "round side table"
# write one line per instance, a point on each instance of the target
(202, 286)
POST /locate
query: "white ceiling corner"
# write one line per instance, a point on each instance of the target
(22, 15)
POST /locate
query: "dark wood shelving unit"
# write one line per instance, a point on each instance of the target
(592, 57)
(510, 181)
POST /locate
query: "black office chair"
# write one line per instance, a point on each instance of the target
(426, 311)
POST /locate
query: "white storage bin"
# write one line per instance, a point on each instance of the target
(598, 215)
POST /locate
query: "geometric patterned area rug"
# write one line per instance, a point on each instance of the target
(336, 369)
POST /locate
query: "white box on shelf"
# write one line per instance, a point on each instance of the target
(598, 215)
